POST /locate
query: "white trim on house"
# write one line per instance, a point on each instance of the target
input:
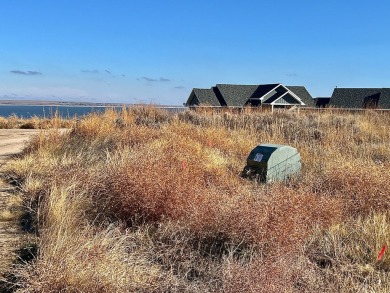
(284, 104)
(288, 91)
(294, 95)
(262, 97)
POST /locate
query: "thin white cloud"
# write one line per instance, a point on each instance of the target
(150, 79)
(29, 72)
(94, 71)
(292, 74)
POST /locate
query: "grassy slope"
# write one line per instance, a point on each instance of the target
(142, 201)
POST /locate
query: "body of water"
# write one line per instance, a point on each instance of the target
(62, 111)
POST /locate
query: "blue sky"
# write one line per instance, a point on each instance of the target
(157, 51)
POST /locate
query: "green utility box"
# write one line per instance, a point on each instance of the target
(272, 162)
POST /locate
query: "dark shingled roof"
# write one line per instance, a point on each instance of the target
(303, 94)
(356, 97)
(204, 97)
(236, 95)
(264, 89)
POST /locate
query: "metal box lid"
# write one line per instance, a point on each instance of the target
(274, 161)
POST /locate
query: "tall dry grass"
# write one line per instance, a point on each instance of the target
(14, 122)
(143, 200)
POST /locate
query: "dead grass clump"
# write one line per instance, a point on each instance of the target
(346, 255)
(362, 189)
(113, 129)
(75, 256)
(96, 125)
(153, 183)
(35, 122)
(290, 221)
(285, 273)
(86, 261)
(149, 115)
(9, 122)
(176, 249)
(233, 144)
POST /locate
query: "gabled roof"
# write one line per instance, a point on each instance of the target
(272, 98)
(303, 94)
(281, 95)
(285, 99)
(355, 97)
(236, 95)
(203, 97)
(264, 89)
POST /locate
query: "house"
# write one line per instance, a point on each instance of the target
(361, 98)
(233, 95)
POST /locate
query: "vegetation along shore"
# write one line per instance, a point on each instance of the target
(144, 200)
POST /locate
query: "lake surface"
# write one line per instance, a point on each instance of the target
(62, 111)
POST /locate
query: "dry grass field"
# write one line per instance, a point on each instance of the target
(146, 201)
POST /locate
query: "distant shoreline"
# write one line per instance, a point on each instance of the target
(73, 104)
(58, 103)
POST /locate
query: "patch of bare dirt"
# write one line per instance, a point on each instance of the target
(12, 142)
